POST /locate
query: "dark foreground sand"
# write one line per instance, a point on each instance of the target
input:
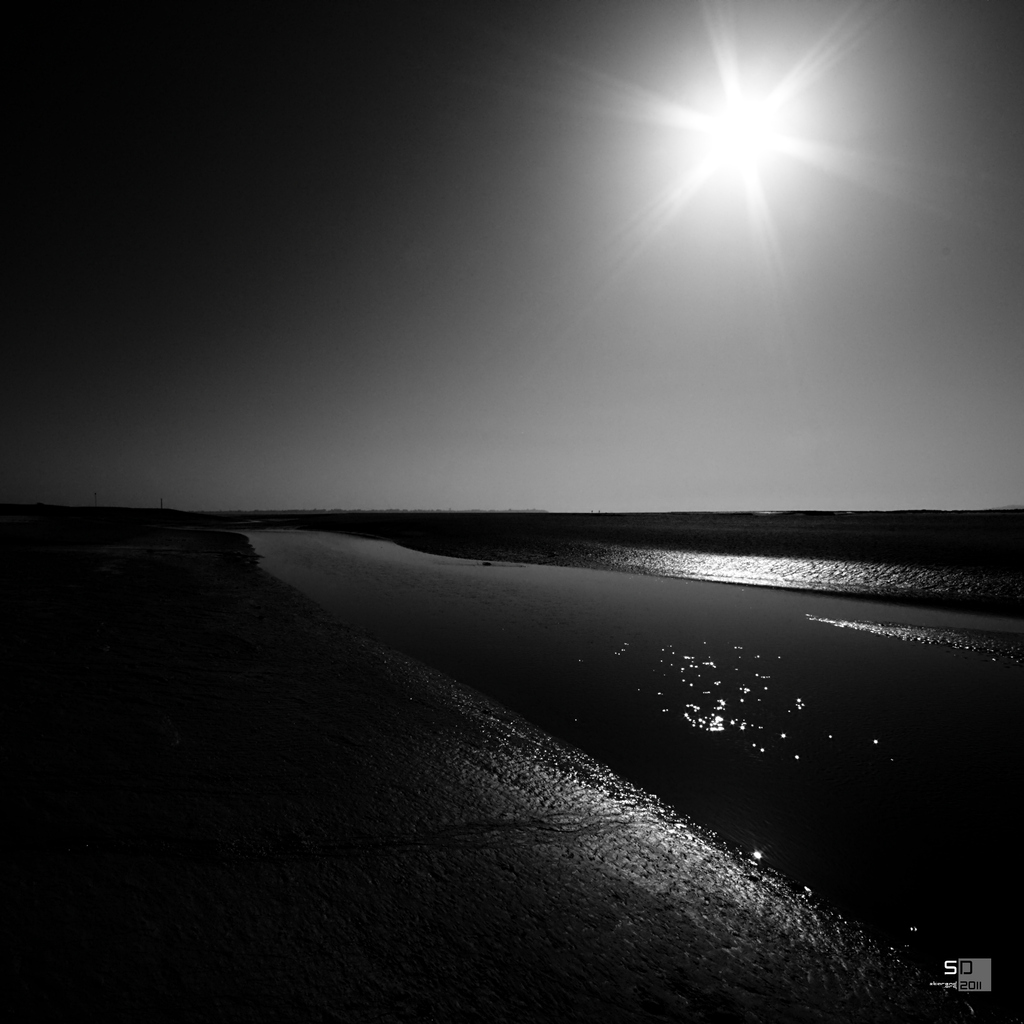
(225, 806)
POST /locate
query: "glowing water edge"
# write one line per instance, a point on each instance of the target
(884, 775)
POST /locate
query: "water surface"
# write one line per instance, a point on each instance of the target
(880, 773)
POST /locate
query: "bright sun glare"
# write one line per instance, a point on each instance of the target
(739, 136)
(743, 133)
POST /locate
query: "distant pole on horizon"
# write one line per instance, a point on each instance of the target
(93, 499)
(161, 504)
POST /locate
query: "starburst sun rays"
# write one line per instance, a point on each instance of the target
(740, 136)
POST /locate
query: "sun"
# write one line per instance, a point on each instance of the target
(743, 133)
(748, 129)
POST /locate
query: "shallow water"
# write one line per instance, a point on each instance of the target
(833, 576)
(880, 773)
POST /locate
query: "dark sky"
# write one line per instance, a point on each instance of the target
(427, 255)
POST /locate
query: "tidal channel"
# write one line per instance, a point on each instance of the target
(880, 773)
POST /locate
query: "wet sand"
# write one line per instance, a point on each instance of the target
(225, 805)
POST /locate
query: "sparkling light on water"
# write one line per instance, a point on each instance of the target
(727, 681)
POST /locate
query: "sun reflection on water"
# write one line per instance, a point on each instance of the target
(825, 574)
(734, 684)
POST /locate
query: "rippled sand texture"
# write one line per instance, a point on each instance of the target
(226, 806)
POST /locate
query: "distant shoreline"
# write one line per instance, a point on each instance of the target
(973, 561)
(969, 560)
